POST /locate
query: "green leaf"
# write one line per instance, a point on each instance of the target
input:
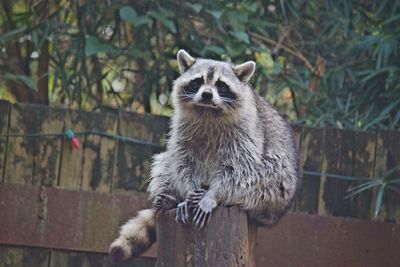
(135, 52)
(265, 60)
(94, 46)
(196, 7)
(234, 48)
(141, 20)
(238, 19)
(11, 34)
(368, 41)
(394, 188)
(379, 197)
(361, 188)
(242, 36)
(276, 69)
(169, 24)
(215, 49)
(392, 19)
(384, 113)
(128, 14)
(217, 14)
(22, 78)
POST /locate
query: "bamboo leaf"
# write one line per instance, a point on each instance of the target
(12, 34)
(22, 78)
(383, 114)
(362, 189)
(378, 201)
(393, 189)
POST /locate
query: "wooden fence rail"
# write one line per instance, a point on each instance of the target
(116, 168)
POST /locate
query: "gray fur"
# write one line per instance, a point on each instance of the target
(246, 155)
(242, 152)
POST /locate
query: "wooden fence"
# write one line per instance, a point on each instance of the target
(61, 207)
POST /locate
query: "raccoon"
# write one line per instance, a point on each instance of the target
(227, 146)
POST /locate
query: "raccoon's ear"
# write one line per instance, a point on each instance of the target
(185, 61)
(245, 71)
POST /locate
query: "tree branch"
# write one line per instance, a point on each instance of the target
(295, 53)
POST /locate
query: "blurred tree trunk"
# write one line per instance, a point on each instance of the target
(19, 57)
(15, 63)
(44, 58)
(43, 74)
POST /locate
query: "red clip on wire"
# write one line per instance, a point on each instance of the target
(73, 139)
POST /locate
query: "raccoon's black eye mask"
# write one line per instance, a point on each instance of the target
(224, 91)
(193, 86)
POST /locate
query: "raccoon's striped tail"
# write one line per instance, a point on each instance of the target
(135, 237)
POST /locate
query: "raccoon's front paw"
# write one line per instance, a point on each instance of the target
(164, 202)
(182, 213)
(194, 198)
(202, 212)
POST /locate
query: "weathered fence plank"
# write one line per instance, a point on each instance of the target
(311, 159)
(33, 160)
(71, 162)
(87, 259)
(98, 152)
(137, 262)
(64, 219)
(69, 220)
(23, 256)
(363, 161)
(310, 240)
(227, 240)
(75, 259)
(348, 153)
(147, 127)
(47, 155)
(338, 149)
(133, 160)
(20, 154)
(4, 119)
(88, 221)
(388, 157)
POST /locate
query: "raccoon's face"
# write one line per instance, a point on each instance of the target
(209, 85)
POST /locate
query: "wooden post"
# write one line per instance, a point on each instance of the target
(227, 240)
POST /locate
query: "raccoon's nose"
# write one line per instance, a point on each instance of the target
(207, 94)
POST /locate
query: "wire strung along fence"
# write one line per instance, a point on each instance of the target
(61, 202)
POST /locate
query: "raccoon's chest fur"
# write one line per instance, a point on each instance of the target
(220, 150)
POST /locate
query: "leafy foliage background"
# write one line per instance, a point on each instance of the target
(323, 63)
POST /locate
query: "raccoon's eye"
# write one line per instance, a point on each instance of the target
(193, 86)
(222, 87)
(224, 90)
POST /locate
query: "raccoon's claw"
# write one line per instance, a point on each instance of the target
(164, 202)
(182, 213)
(195, 197)
(201, 218)
(202, 211)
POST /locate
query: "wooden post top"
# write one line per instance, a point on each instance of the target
(227, 240)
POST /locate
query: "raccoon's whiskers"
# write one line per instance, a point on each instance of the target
(186, 96)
